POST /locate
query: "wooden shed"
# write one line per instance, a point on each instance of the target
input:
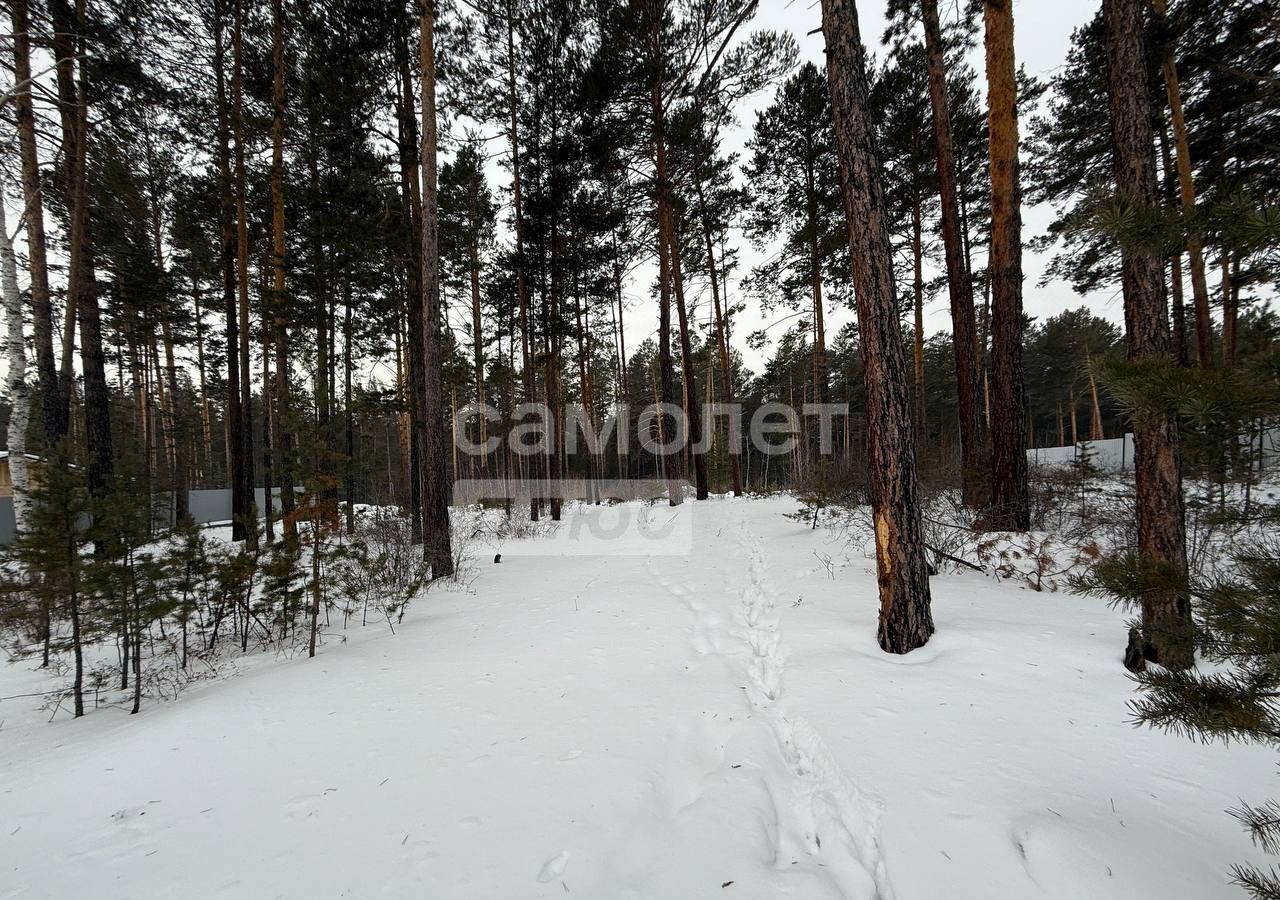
(34, 466)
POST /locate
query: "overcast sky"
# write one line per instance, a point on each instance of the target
(1042, 35)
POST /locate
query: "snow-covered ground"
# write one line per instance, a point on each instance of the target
(713, 724)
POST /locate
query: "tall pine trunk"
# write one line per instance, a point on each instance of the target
(268, 410)
(821, 394)
(1230, 308)
(65, 45)
(242, 281)
(551, 305)
(722, 345)
(437, 546)
(1187, 191)
(411, 222)
(82, 289)
(177, 435)
(670, 463)
(906, 619)
(917, 290)
(281, 433)
(693, 415)
(1178, 306)
(349, 418)
(1010, 502)
(55, 418)
(234, 419)
(1166, 612)
(97, 410)
(477, 323)
(959, 287)
(517, 220)
(206, 424)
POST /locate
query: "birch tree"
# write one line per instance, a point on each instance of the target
(16, 356)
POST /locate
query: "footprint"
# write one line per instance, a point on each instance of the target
(302, 807)
(554, 867)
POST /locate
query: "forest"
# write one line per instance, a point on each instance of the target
(314, 306)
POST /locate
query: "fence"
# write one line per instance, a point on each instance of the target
(1112, 455)
(1116, 454)
(207, 507)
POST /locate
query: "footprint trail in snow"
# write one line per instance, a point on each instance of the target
(821, 819)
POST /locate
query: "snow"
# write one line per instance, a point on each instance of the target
(711, 723)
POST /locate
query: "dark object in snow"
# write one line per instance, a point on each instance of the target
(933, 570)
(497, 557)
(726, 884)
(1134, 661)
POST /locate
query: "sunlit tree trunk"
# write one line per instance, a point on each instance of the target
(1010, 508)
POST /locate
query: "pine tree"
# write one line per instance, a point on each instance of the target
(437, 545)
(905, 135)
(794, 196)
(906, 620)
(718, 204)
(248, 478)
(959, 281)
(468, 217)
(1010, 508)
(1236, 600)
(281, 433)
(54, 415)
(50, 560)
(1166, 614)
(71, 49)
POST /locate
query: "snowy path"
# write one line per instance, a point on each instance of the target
(718, 724)
(811, 797)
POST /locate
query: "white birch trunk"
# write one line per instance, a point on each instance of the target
(19, 394)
